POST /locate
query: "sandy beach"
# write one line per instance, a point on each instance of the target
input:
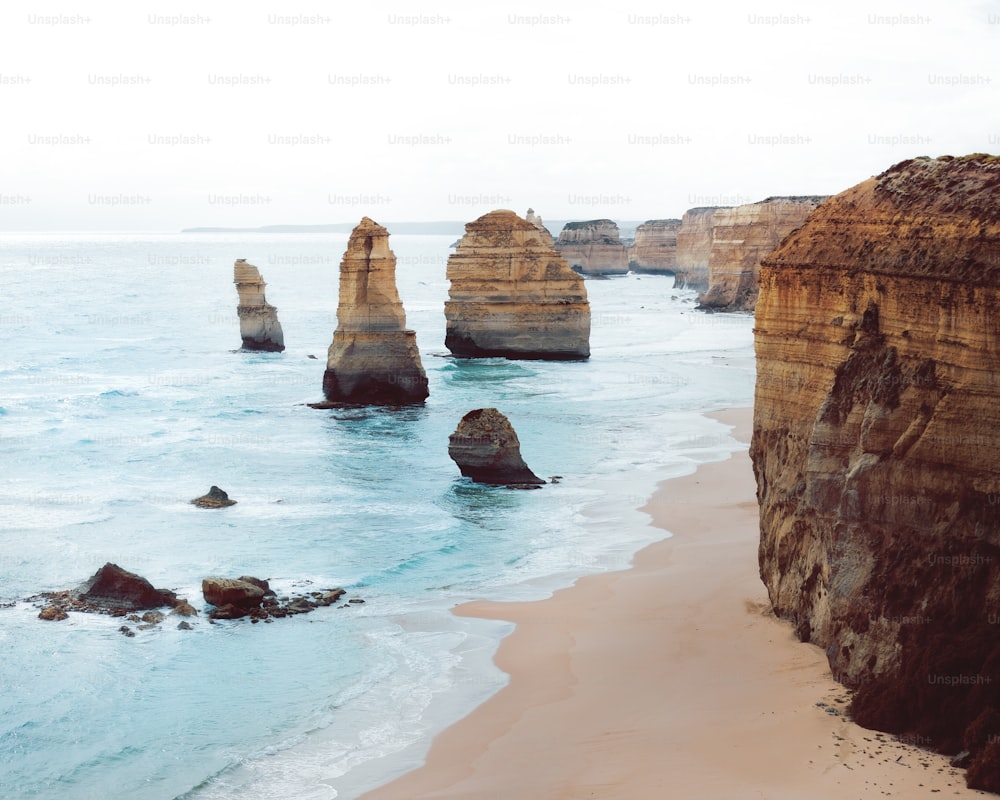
(670, 680)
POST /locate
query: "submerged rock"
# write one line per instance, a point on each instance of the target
(259, 326)
(487, 449)
(374, 357)
(216, 498)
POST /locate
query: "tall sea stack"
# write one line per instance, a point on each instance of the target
(876, 448)
(259, 326)
(593, 247)
(373, 358)
(513, 295)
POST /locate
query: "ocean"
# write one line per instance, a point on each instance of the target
(123, 395)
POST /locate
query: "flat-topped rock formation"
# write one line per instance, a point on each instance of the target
(593, 247)
(259, 326)
(374, 357)
(694, 247)
(655, 247)
(876, 448)
(741, 237)
(512, 295)
(486, 449)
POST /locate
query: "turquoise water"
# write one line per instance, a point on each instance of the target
(121, 398)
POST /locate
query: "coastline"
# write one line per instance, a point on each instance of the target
(672, 675)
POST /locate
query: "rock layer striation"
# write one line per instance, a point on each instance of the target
(259, 326)
(513, 295)
(876, 447)
(486, 449)
(593, 247)
(655, 247)
(694, 247)
(374, 357)
(741, 237)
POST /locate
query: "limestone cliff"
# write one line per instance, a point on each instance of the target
(694, 247)
(259, 326)
(373, 358)
(655, 247)
(513, 295)
(593, 247)
(741, 237)
(876, 445)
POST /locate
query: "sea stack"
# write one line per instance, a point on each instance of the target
(512, 295)
(486, 449)
(694, 247)
(741, 237)
(593, 247)
(655, 247)
(373, 358)
(259, 326)
(876, 448)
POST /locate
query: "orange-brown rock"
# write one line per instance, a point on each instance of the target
(694, 247)
(374, 357)
(655, 247)
(741, 237)
(513, 295)
(259, 326)
(876, 445)
(593, 247)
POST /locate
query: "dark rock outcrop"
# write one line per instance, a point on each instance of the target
(512, 295)
(114, 587)
(876, 445)
(374, 357)
(239, 592)
(487, 449)
(259, 326)
(216, 498)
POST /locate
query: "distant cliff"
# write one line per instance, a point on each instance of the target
(593, 247)
(513, 295)
(694, 247)
(741, 237)
(876, 447)
(655, 247)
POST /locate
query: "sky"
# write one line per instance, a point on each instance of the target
(155, 116)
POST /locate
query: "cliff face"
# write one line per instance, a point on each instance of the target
(741, 237)
(259, 326)
(513, 295)
(593, 247)
(655, 247)
(876, 444)
(373, 358)
(694, 247)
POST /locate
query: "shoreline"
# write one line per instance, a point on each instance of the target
(669, 676)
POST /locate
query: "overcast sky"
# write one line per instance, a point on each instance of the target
(157, 116)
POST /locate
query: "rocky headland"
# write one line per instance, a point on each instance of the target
(593, 247)
(655, 247)
(259, 326)
(694, 248)
(512, 295)
(741, 237)
(486, 449)
(374, 357)
(876, 448)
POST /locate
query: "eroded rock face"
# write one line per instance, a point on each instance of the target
(216, 498)
(694, 247)
(114, 587)
(486, 449)
(741, 237)
(259, 326)
(242, 592)
(655, 247)
(593, 247)
(876, 443)
(374, 357)
(513, 295)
